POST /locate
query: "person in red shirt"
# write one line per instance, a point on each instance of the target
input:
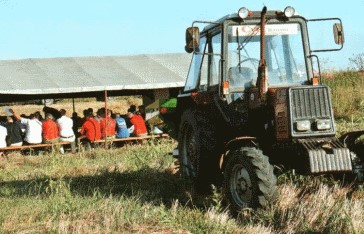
(140, 129)
(90, 131)
(49, 130)
(107, 126)
(50, 133)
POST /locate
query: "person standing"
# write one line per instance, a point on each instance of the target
(90, 131)
(33, 131)
(14, 137)
(65, 126)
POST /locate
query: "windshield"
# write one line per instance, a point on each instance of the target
(284, 55)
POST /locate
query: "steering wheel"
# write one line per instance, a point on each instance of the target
(253, 61)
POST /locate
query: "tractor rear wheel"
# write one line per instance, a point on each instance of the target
(198, 161)
(249, 181)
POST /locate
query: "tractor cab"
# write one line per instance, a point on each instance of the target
(228, 52)
(284, 55)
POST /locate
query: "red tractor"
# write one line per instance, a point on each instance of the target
(252, 98)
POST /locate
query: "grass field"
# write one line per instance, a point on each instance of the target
(137, 189)
(347, 99)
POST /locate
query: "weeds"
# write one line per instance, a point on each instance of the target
(129, 190)
(348, 97)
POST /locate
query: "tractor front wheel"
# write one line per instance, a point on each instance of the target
(249, 181)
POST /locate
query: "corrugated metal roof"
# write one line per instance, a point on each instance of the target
(88, 74)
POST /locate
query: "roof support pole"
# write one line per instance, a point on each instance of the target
(73, 105)
(106, 119)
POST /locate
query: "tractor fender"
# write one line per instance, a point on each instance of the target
(241, 141)
(349, 138)
(238, 142)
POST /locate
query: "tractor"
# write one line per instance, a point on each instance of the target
(254, 98)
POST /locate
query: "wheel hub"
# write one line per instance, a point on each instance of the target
(241, 185)
(189, 155)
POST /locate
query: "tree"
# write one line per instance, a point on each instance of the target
(358, 61)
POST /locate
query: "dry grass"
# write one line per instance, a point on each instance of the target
(323, 209)
(136, 190)
(119, 104)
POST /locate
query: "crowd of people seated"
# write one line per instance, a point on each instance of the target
(56, 127)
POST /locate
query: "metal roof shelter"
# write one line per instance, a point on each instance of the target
(91, 76)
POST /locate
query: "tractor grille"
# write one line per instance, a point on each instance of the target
(310, 103)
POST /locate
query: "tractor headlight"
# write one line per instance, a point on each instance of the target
(243, 12)
(303, 125)
(323, 124)
(289, 11)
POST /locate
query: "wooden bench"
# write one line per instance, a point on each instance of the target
(130, 139)
(119, 142)
(47, 146)
(35, 146)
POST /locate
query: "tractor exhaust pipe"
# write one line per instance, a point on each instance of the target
(262, 80)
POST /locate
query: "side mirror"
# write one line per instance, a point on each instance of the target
(192, 39)
(338, 33)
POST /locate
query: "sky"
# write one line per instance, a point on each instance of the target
(77, 28)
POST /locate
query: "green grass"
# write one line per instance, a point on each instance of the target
(131, 189)
(135, 190)
(348, 99)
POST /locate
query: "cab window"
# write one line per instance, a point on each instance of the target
(215, 60)
(195, 73)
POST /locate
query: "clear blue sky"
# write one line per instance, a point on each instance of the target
(68, 28)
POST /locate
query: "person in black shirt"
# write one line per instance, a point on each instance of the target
(14, 137)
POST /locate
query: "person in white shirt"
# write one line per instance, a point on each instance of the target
(33, 132)
(3, 134)
(65, 126)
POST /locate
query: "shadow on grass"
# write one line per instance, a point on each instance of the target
(148, 185)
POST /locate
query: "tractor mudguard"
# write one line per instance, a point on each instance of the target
(241, 141)
(236, 143)
(349, 139)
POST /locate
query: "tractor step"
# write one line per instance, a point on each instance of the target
(175, 153)
(337, 161)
